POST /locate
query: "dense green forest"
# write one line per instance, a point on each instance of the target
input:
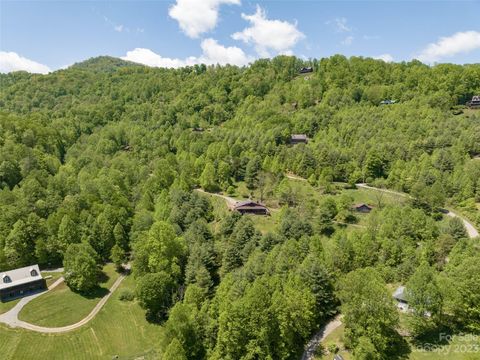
(99, 162)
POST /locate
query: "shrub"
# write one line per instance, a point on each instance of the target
(126, 295)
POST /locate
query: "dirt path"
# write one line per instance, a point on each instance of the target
(365, 186)
(472, 232)
(295, 177)
(11, 317)
(324, 331)
(230, 201)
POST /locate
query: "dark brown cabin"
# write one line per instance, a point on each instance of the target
(363, 208)
(251, 207)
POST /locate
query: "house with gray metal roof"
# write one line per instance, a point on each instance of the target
(20, 282)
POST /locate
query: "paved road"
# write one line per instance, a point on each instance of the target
(324, 331)
(11, 317)
(471, 230)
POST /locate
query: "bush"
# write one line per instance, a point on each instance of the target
(126, 295)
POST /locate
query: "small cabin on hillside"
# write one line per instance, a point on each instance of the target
(474, 103)
(198, 129)
(401, 298)
(363, 208)
(306, 70)
(251, 207)
(387, 102)
(20, 282)
(298, 139)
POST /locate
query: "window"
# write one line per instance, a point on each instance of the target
(6, 279)
(33, 272)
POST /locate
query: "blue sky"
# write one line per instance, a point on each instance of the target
(39, 36)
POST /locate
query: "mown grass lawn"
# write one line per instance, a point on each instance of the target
(52, 276)
(119, 329)
(5, 306)
(61, 306)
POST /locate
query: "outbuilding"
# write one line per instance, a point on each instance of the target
(401, 298)
(387, 102)
(20, 282)
(298, 139)
(306, 70)
(474, 103)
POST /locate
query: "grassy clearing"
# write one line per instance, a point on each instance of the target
(4, 307)
(119, 329)
(61, 306)
(335, 338)
(53, 276)
(308, 197)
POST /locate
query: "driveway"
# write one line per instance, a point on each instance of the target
(324, 331)
(11, 317)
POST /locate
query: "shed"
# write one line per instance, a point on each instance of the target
(387, 102)
(251, 207)
(338, 357)
(400, 295)
(474, 103)
(305, 70)
(20, 282)
(298, 139)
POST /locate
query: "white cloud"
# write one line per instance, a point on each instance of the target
(279, 36)
(460, 42)
(348, 40)
(340, 24)
(11, 61)
(384, 57)
(213, 53)
(197, 16)
(149, 58)
(118, 28)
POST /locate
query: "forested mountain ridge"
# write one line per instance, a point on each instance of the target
(103, 153)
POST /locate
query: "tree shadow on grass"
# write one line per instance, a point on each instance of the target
(434, 336)
(95, 293)
(102, 277)
(400, 348)
(98, 291)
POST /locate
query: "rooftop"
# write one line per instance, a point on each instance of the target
(299, 137)
(247, 203)
(19, 276)
(399, 294)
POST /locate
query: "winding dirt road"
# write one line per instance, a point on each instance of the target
(230, 201)
(11, 317)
